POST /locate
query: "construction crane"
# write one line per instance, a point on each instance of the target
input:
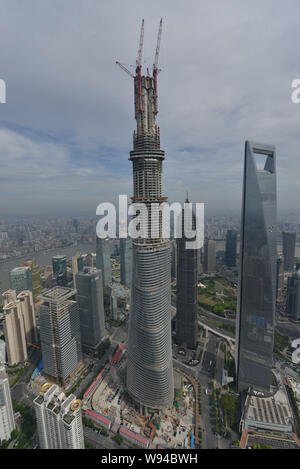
(139, 67)
(157, 46)
(125, 69)
(33, 345)
(140, 50)
(155, 70)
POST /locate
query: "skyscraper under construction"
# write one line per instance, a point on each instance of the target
(149, 366)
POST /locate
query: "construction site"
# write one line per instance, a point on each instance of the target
(38, 379)
(108, 404)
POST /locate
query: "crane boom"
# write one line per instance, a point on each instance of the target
(140, 51)
(125, 69)
(157, 45)
(155, 70)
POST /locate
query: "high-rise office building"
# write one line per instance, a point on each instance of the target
(288, 248)
(117, 300)
(76, 225)
(103, 260)
(126, 261)
(89, 261)
(60, 333)
(74, 270)
(117, 250)
(59, 419)
(230, 251)
(80, 262)
(20, 279)
(7, 421)
(77, 266)
(9, 296)
(14, 333)
(257, 275)
(187, 289)
(36, 278)
(209, 262)
(59, 264)
(91, 308)
(279, 277)
(28, 312)
(149, 364)
(173, 260)
(293, 296)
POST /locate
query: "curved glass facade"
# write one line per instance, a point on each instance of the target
(149, 365)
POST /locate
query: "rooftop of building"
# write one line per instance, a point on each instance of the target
(269, 410)
(57, 402)
(134, 435)
(98, 416)
(10, 305)
(9, 292)
(69, 417)
(249, 439)
(20, 269)
(39, 399)
(24, 293)
(88, 271)
(57, 294)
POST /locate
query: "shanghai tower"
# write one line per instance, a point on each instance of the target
(149, 364)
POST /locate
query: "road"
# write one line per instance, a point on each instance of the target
(212, 365)
(209, 360)
(20, 392)
(99, 441)
(215, 317)
(288, 328)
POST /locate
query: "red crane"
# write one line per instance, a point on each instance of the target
(139, 67)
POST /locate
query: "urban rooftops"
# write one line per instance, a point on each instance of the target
(57, 294)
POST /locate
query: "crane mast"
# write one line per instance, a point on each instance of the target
(145, 91)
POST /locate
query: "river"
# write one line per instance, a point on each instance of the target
(45, 258)
(42, 258)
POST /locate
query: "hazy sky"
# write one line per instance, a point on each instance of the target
(66, 129)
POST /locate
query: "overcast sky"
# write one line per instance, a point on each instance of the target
(66, 128)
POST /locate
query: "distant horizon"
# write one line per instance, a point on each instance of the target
(66, 130)
(208, 213)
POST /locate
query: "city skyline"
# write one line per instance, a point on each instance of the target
(61, 119)
(149, 342)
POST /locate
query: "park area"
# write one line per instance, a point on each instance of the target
(217, 295)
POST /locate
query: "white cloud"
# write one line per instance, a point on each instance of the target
(227, 71)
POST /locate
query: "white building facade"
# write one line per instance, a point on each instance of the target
(59, 420)
(7, 422)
